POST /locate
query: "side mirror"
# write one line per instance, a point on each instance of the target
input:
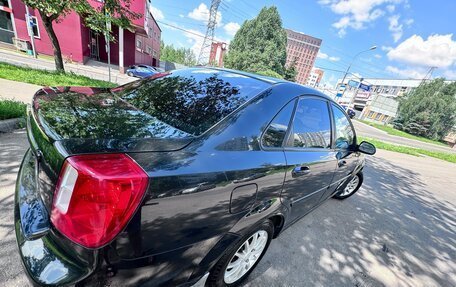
(367, 148)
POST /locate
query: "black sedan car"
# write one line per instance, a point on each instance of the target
(177, 179)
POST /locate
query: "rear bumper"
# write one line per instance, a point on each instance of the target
(45, 261)
(49, 259)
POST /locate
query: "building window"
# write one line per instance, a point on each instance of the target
(138, 44)
(149, 50)
(35, 28)
(155, 54)
(4, 3)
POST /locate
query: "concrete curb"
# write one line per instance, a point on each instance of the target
(7, 126)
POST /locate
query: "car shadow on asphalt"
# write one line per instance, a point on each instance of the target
(393, 232)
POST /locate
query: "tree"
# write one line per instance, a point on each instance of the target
(177, 55)
(269, 73)
(260, 44)
(290, 71)
(116, 12)
(429, 111)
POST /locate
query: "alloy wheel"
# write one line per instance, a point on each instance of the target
(246, 256)
(351, 186)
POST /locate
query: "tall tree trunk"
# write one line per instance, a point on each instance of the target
(47, 22)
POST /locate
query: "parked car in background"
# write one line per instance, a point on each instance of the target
(142, 71)
(351, 113)
(177, 179)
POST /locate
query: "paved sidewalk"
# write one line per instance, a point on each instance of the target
(22, 92)
(92, 69)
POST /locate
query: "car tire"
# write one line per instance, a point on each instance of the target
(351, 187)
(130, 74)
(221, 275)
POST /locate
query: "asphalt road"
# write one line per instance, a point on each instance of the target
(368, 131)
(398, 230)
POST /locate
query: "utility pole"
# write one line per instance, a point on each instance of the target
(30, 29)
(205, 52)
(108, 43)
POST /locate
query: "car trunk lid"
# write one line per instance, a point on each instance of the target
(67, 121)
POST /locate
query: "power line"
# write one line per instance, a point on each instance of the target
(361, 59)
(179, 28)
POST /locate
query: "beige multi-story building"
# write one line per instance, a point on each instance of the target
(315, 77)
(303, 49)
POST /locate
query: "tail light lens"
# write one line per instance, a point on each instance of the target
(96, 196)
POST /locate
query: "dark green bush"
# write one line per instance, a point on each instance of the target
(10, 109)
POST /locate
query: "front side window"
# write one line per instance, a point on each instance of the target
(345, 135)
(142, 70)
(311, 125)
(275, 134)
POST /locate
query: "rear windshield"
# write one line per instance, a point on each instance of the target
(191, 100)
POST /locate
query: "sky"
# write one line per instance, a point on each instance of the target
(410, 36)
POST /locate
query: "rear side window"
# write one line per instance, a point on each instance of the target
(191, 100)
(311, 125)
(275, 134)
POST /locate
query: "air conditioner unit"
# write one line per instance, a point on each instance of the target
(21, 44)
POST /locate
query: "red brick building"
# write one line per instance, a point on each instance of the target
(218, 50)
(304, 49)
(141, 45)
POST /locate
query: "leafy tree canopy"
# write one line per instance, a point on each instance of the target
(290, 71)
(117, 12)
(184, 56)
(429, 111)
(260, 44)
(270, 73)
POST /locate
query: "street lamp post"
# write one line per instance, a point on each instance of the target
(353, 60)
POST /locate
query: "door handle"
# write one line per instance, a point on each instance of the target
(341, 163)
(300, 170)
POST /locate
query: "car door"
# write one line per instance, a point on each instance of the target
(345, 146)
(142, 72)
(310, 160)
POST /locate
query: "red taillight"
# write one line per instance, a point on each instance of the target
(96, 196)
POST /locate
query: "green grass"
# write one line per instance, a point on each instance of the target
(450, 157)
(48, 78)
(392, 131)
(10, 109)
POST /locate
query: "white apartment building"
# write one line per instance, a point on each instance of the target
(380, 102)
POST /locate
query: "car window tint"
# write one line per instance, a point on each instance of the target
(311, 125)
(191, 100)
(275, 134)
(345, 135)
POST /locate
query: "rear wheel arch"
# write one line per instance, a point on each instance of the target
(278, 221)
